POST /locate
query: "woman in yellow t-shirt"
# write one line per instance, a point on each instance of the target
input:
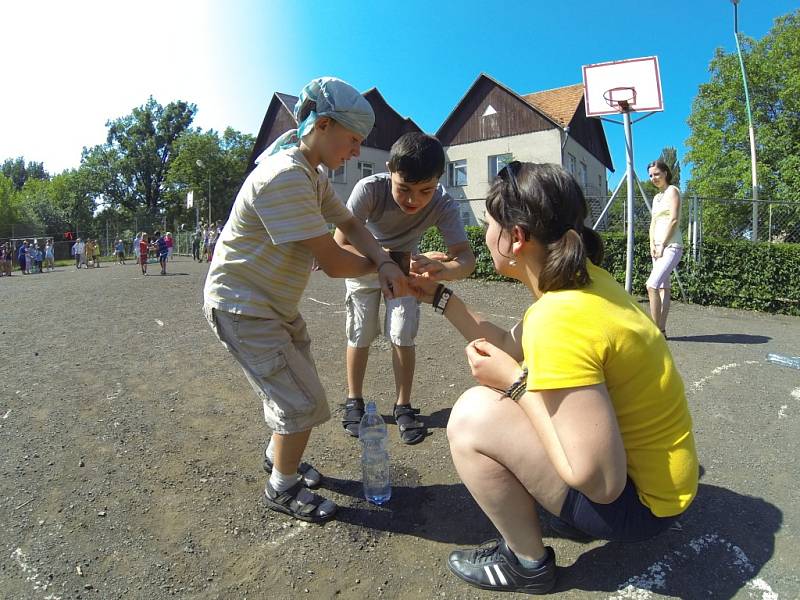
(580, 409)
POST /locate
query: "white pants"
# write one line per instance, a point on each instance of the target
(663, 267)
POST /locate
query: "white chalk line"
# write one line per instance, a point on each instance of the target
(640, 587)
(31, 574)
(296, 530)
(320, 301)
(504, 317)
(697, 385)
(795, 394)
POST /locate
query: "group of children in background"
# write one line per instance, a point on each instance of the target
(160, 246)
(86, 253)
(31, 256)
(203, 242)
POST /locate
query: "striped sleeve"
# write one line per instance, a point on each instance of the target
(288, 208)
(333, 209)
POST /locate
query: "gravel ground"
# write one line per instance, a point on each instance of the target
(130, 463)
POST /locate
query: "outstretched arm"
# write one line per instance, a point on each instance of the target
(469, 323)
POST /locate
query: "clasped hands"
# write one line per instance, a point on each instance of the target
(426, 271)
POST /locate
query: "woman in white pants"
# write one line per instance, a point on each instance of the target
(666, 241)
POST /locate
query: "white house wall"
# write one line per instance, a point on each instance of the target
(540, 147)
(596, 189)
(377, 157)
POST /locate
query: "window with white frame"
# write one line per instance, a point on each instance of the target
(337, 176)
(366, 168)
(457, 173)
(496, 164)
(571, 164)
(583, 177)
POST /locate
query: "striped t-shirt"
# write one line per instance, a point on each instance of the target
(259, 268)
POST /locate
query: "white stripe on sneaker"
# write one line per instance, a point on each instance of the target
(500, 575)
(489, 574)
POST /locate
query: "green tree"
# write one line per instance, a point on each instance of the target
(130, 169)
(719, 146)
(19, 171)
(224, 159)
(9, 209)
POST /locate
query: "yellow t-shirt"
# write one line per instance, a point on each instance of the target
(598, 334)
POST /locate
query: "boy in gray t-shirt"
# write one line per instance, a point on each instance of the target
(397, 208)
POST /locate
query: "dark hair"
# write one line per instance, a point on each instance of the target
(661, 166)
(547, 204)
(417, 157)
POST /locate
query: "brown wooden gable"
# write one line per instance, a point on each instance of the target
(389, 124)
(589, 133)
(510, 115)
(277, 121)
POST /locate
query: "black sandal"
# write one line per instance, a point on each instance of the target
(412, 431)
(353, 412)
(310, 477)
(298, 502)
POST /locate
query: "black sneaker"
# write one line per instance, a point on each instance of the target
(493, 566)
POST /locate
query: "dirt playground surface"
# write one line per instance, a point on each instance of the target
(130, 457)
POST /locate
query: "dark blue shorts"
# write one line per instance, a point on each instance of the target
(626, 519)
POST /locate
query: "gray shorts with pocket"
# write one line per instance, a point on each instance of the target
(275, 356)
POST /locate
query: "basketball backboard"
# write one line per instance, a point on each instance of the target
(613, 87)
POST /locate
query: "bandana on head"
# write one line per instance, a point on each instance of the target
(334, 98)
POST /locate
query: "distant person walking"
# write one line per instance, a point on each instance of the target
(119, 249)
(170, 242)
(162, 250)
(197, 239)
(144, 248)
(49, 256)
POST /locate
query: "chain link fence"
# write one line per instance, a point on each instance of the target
(106, 235)
(717, 218)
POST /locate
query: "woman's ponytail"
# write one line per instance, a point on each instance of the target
(565, 265)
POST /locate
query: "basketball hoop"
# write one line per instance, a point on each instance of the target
(620, 98)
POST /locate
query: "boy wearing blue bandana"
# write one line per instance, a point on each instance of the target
(397, 208)
(261, 266)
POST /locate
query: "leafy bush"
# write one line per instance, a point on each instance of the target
(736, 274)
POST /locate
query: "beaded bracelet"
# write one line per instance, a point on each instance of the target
(517, 389)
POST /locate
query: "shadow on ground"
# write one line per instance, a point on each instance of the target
(719, 545)
(723, 338)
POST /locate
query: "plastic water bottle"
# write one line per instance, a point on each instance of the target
(784, 361)
(374, 456)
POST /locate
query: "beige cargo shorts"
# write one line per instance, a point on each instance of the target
(275, 356)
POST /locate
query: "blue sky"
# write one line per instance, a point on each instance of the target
(79, 64)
